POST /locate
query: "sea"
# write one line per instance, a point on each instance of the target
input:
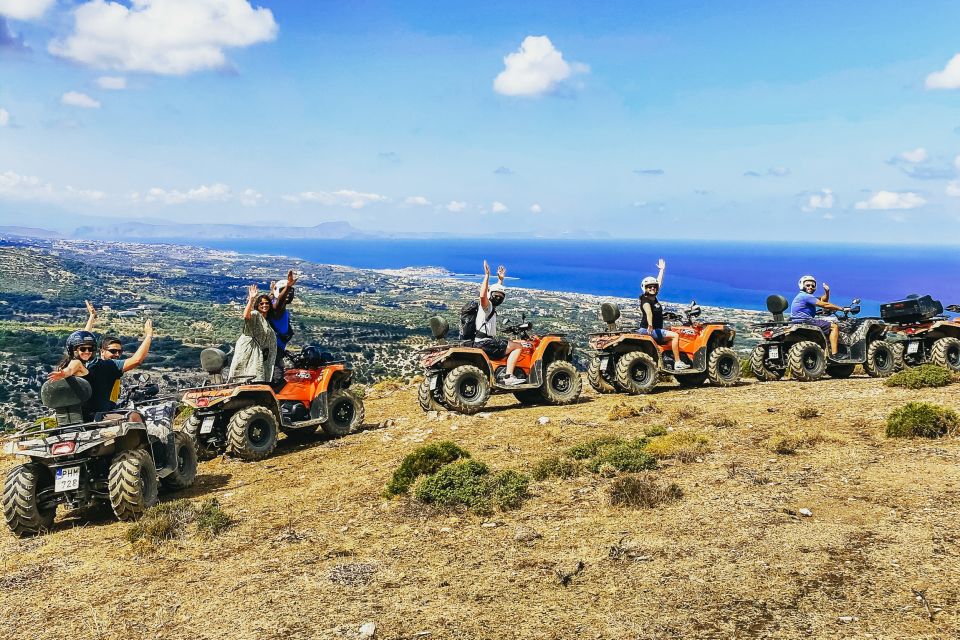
(723, 274)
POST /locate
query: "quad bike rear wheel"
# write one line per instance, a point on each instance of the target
(636, 372)
(22, 491)
(252, 433)
(881, 359)
(759, 368)
(806, 361)
(723, 367)
(192, 428)
(946, 353)
(595, 378)
(840, 371)
(345, 413)
(186, 464)
(426, 397)
(466, 389)
(561, 384)
(132, 483)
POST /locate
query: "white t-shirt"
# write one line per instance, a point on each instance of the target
(486, 326)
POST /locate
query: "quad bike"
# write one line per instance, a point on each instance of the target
(632, 362)
(461, 377)
(926, 335)
(117, 458)
(244, 418)
(802, 348)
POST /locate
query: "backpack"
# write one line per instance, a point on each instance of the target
(468, 320)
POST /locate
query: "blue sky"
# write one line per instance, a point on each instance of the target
(781, 120)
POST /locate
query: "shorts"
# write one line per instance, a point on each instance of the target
(823, 324)
(658, 334)
(495, 348)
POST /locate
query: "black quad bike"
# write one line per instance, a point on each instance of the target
(119, 458)
(925, 335)
(802, 348)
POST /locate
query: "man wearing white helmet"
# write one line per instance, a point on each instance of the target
(804, 309)
(279, 319)
(651, 317)
(491, 297)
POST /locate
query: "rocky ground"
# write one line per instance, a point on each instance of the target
(853, 536)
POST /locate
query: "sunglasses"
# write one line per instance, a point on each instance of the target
(809, 284)
(652, 286)
(85, 349)
(115, 352)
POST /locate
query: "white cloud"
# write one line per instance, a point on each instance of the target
(14, 186)
(822, 200)
(536, 68)
(949, 78)
(343, 197)
(536, 208)
(953, 189)
(77, 99)
(115, 83)
(24, 9)
(214, 193)
(917, 155)
(419, 201)
(250, 197)
(169, 37)
(498, 207)
(4, 117)
(886, 200)
(456, 206)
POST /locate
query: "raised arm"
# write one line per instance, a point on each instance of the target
(251, 296)
(485, 287)
(73, 368)
(140, 355)
(91, 316)
(281, 302)
(661, 265)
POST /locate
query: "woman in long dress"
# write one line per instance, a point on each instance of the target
(256, 348)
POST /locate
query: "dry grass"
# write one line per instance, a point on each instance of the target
(643, 491)
(315, 551)
(686, 445)
(624, 410)
(788, 442)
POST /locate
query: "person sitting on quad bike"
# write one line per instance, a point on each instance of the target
(491, 297)
(81, 360)
(279, 319)
(256, 348)
(804, 310)
(651, 316)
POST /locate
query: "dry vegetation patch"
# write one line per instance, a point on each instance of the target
(788, 442)
(922, 419)
(643, 490)
(926, 375)
(686, 445)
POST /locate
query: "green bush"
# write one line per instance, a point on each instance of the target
(921, 419)
(211, 519)
(458, 483)
(745, 370)
(590, 448)
(624, 457)
(655, 430)
(926, 375)
(169, 520)
(510, 488)
(556, 467)
(420, 462)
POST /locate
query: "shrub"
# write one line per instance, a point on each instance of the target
(724, 422)
(458, 483)
(655, 430)
(642, 491)
(211, 519)
(510, 488)
(922, 419)
(623, 457)
(422, 461)
(806, 413)
(556, 467)
(926, 375)
(590, 448)
(622, 410)
(685, 413)
(745, 370)
(682, 445)
(785, 442)
(169, 520)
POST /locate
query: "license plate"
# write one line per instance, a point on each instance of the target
(774, 352)
(68, 479)
(207, 425)
(913, 347)
(603, 363)
(433, 382)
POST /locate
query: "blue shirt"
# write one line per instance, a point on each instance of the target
(281, 326)
(102, 376)
(804, 306)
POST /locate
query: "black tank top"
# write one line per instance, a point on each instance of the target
(657, 312)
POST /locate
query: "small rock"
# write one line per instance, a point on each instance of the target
(488, 525)
(368, 630)
(386, 424)
(344, 528)
(484, 414)
(846, 619)
(431, 415)
(445, 529)
(806, 512)
(543, 420)
(525, 534)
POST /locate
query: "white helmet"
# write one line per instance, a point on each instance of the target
(498, 288)
(649, 280)
(806, 279)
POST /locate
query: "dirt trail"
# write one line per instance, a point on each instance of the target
(316, 551)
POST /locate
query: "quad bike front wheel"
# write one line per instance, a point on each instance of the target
(23, 489)
(427, 397)
(759, 368)
(561, 384)
(881, 359)
(723, 367)
(252, 433)
(840, 371)
(192, 428)
(806, 361)
(132, 483)
(345, 413)
(466, 389)
(186, 464)
(946, 353)
(596, 379)
(636, 372)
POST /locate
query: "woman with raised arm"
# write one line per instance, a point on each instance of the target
(651, 316)
(256, 348)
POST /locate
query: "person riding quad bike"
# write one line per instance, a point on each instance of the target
(651, 316)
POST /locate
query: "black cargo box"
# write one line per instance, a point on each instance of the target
(912, 309)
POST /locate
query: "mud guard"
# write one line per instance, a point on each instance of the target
(319, 408)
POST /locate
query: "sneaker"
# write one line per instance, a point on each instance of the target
(680, 366)
(511, 381)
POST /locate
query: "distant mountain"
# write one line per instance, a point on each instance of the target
(140, 230)
(29, 232)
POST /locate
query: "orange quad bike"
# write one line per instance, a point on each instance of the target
(925, 335)
(244, 418)
(461, 377)
(632, 362)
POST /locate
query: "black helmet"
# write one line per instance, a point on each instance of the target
(311, 356)
(78, 338)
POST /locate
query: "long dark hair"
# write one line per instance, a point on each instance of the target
(260, 298)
